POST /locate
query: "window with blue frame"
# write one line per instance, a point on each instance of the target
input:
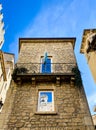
(46, 65)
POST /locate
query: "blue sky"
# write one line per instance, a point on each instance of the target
(51, 18)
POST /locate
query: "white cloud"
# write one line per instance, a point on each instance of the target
(51, 21)
(0, 6)
(60, 19)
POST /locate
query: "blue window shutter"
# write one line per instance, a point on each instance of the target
(46, 67)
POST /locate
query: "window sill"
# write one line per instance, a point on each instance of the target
(46, 113)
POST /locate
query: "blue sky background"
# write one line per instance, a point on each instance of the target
(51, 18)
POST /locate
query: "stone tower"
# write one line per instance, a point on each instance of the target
(46, 92)
(88, 47)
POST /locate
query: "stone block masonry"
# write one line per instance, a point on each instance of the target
(38, 100)
(71, 110)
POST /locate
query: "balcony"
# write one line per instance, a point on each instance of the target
(39, 68)
(43, 71)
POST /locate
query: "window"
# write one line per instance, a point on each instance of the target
(45, 101)
(46, 65)
(1, 103)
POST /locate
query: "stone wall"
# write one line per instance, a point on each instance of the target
(71, 110)
(94, 120)
(91, 60)
(60, 52)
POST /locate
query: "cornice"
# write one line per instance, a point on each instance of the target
(86, 32)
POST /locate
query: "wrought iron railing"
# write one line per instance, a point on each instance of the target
(30, 68)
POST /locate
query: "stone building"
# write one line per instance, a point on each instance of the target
(6, 68)
(6, 65)
(46, 92)
(2, 31)
(94, 120)
(88, 47)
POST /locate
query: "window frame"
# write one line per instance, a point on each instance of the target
(53, 105)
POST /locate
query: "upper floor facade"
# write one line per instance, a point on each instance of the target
(46, 56)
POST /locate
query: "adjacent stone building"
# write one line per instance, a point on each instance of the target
(46, 92)
(94, 120)
(6, 69)
(88, 47)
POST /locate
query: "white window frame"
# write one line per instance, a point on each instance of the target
(45, 107)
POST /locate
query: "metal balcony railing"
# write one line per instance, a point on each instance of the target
(31, 68)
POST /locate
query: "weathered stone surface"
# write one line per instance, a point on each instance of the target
(70, 106)
(69, 110)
